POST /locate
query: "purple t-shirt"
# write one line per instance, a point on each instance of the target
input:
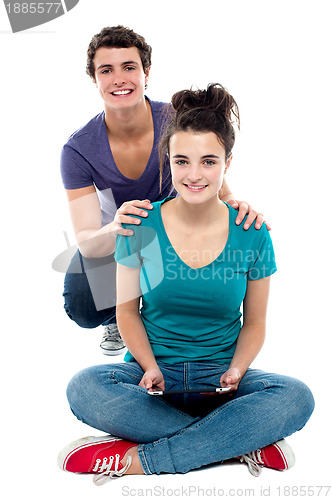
(86, 160)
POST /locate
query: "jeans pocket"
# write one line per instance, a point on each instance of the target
(128, 374)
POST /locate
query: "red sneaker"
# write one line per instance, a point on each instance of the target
(99, 455)
(278, 456)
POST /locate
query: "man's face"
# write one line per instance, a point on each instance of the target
(119, 76)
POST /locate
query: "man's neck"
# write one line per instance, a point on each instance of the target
(129, 123)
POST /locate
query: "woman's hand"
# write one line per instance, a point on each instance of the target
(122, 216)
(231, 378)
(253, 216)
(153, 378)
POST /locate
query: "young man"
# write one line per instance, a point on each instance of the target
(113, 159)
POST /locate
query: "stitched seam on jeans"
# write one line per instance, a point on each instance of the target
(186, 376)
(133, 387)
(113, 372)
(264, 382)
(140, 448)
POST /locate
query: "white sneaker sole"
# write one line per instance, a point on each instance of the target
(113, 352)
(286, 453)
(72, 447)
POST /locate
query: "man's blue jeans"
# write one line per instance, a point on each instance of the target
(180, 433)
(90, 291)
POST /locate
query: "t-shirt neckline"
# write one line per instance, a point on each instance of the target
(164, 233)
(128, 179)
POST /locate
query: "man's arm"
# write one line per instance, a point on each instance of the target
(225, 194)
(95, 241)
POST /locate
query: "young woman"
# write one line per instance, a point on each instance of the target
(194, 269)
(111, 160)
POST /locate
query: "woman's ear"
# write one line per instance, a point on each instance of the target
(228, 162)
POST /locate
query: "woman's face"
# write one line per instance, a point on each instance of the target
(198, 165)
(119, 76)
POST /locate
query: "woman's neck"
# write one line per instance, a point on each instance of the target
(201, 216)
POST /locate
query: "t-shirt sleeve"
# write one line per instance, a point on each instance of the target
(263, 262)
(74, 168)
(126, 252)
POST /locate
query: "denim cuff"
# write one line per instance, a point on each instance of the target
(156, 458)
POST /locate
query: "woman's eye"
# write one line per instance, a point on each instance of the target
(209, 163)
(180, 162)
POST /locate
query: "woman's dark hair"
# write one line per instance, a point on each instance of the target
(118, 37)
(210, 110)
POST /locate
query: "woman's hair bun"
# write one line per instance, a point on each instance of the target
(215, 99)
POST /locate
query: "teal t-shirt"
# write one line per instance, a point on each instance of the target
(193, 314)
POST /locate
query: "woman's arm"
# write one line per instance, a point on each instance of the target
(131, 327)
(95, 241)
(252, 335)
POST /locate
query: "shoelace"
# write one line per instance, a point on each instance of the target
(253, 459)
(111, 332)
(104, 472)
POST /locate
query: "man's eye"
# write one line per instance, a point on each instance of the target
(130, 68)
(105, 71)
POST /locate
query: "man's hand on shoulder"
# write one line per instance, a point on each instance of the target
(253, 216)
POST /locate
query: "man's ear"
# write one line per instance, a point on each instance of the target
(147, 74)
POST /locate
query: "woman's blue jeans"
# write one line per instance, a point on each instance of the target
(180, 433)
(90, 291)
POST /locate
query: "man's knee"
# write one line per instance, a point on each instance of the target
(81, 319)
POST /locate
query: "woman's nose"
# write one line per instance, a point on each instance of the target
(194, 173)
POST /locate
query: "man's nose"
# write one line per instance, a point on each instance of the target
(118, 78)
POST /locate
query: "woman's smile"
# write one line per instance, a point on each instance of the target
(195, 188)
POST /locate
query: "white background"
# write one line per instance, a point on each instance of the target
(274, 57)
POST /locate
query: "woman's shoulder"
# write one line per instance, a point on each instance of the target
(250, 235)
(148, 221)
(153, 218)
